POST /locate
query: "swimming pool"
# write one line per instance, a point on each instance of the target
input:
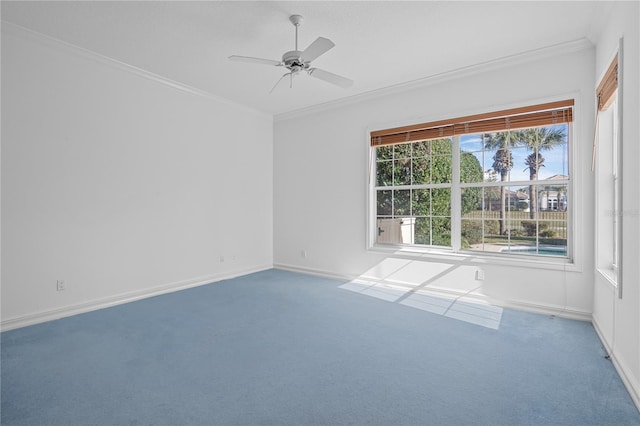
(541, 250)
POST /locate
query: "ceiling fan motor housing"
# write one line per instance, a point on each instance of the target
(293, 61)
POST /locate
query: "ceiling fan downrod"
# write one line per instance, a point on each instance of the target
(296, 20)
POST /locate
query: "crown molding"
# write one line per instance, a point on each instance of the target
(503, 62)
(29, 34)
(495, 64)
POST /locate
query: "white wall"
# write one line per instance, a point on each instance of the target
(618, 320)
(120, 184)
(320, 183)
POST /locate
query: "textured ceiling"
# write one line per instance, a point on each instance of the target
(378, 44)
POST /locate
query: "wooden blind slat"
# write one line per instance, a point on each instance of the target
(513, 119)
(608, 86)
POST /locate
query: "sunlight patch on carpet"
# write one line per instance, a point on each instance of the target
(377, 290)
(456, 307)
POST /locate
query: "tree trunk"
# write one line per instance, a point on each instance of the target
(533, 192)
(533, 196)
(503, 207)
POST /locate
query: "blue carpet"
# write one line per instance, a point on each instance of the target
(282, 348)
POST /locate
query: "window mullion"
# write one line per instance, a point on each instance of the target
(456, 208)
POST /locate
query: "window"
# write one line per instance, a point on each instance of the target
(495, 183)
(607, 159)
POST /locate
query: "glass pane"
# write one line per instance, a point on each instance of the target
(470, 168)
(491, 198)
(553, 164)
(501, 161)
(471, 232)
(402, 202)
(421, 202)
(552, 238)
(441, 202)
(471, 143)
(489, 175)
(384, 202)
(472, 207)
(402, 151)
(550, 231)
(471, 200)
(483, 235)
(441, 147)
(491, 229)
(441, 169)
(422, 231)
(402, 171)
(384, 152)
(441, 231)
(561, 231)
(550, 198)
(384, 173)
(546, 149)
(421, 170)
(421, 149)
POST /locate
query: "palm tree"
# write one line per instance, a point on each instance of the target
(538, 139)
(502, 164)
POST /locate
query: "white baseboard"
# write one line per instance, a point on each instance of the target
(93, 305)
(546, 310)
(517, 305)
(311, 271)
(633, 387)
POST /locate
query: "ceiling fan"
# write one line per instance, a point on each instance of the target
(297, 61)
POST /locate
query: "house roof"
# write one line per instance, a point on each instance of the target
(557, 177)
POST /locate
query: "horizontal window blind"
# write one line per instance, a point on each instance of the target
(608, 86)
(605, 95)
(511, 119)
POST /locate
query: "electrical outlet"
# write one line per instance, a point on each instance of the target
(60, 285)
(479, 275)
(221, 259)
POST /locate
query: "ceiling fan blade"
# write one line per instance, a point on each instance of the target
(330, 77)
(254, 60)
(320, 46)
(276, 85)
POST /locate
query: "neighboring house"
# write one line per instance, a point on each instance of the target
(550, 197)
(553, 197)
(552, 200)
(516, 200)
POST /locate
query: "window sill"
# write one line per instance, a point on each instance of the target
(428, 253)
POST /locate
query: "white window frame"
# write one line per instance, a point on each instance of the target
(573, 260)
(607, 167)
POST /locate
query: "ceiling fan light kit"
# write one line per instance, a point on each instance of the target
(297, 61)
